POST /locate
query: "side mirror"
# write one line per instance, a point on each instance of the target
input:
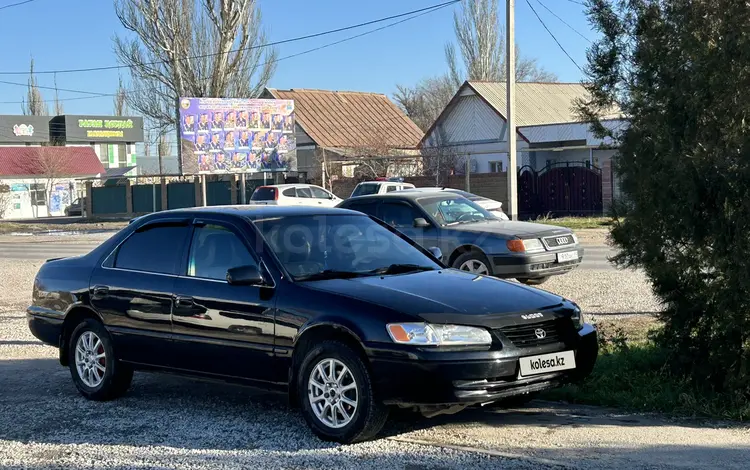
(245, 276)
(419, 222)
(435, 251)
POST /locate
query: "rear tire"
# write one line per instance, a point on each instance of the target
(474, 262)
(93, 364)
(533, 282)
(327, 407)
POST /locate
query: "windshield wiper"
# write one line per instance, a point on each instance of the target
(330, 274)
(401, 269)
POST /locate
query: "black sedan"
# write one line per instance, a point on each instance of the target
(339, 310)
(471, 238)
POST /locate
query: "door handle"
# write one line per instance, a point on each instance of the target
(182, 301)
(99, 292)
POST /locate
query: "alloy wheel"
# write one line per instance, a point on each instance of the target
(474, 266)
(332, 391)
(91, 359)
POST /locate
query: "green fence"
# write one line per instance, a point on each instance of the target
(143, 197)
(180, 195)
(218, 193)
(108, 200)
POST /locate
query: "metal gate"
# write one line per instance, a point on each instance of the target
(560, 189)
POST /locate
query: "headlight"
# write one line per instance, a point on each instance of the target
(533, 245)
(424, 334)
(577, 318)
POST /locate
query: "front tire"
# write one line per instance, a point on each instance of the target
(474, 262)
(336, 395)
(94, 367)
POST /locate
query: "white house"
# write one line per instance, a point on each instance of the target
(548, 132)
(43, 181)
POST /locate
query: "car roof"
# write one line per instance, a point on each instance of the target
(385, 182)
(252, 211)
(409, 194)
(282, 186)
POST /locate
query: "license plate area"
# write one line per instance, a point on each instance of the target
(567, 256)
(545, 363)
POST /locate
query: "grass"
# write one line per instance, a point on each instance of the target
(40, 226)
(633, 374)
(577, 223)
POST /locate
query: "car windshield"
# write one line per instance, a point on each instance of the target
(454, 210)
(364, 189)
(340, 246)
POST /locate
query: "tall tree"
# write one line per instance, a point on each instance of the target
(481, 41)
(201, 48)
(120, 100)
(481, 46)
(34, 104)
(680, 70)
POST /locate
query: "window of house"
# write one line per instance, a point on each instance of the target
(215, 250)
(38, 194)
(496, 167)
(122, 155)
(154, 250)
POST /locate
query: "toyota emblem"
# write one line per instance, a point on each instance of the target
(540, 333)
(562, 240)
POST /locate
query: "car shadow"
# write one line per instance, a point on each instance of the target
(39, 404)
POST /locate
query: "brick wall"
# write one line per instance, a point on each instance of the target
(489, 185)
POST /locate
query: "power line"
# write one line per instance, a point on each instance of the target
(577, 2)
(553, 36)
(563, 21)
(51, 88)
(16, 4)
(308, 51)
(276, 43)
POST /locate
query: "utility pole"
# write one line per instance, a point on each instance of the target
(510, 85)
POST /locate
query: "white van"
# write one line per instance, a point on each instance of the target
(367, 188)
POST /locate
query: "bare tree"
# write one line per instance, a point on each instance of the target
(424, 102)
(481, 41)
(481, 44)
(5, 198)
(120, 99)
(163, 150)
(201, 48)
(34, 104)
(59, 108)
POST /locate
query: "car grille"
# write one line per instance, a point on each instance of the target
(524, 336)
(559, 240)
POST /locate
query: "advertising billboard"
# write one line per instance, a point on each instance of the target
(102, 128)
(226, 135)
(24, 129)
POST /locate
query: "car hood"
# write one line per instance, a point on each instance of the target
(438, 296)
(511, 228)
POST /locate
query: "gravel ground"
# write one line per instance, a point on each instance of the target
(171, 422)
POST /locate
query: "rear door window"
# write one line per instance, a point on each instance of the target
(154, 250)
(391, 187)
(363, 189)
(264, 193)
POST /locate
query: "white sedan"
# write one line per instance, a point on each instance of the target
(490, 205)
(294, 195)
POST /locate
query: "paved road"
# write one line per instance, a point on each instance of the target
(595, 256)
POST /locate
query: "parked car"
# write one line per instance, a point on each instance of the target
(294, 195)
(490, 205)
(339, 310)
(472, 239)
(379, 187)
(76, 207)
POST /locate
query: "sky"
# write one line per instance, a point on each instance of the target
(69, 34)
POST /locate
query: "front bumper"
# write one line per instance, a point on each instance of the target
(533, 266)
(420, 378)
